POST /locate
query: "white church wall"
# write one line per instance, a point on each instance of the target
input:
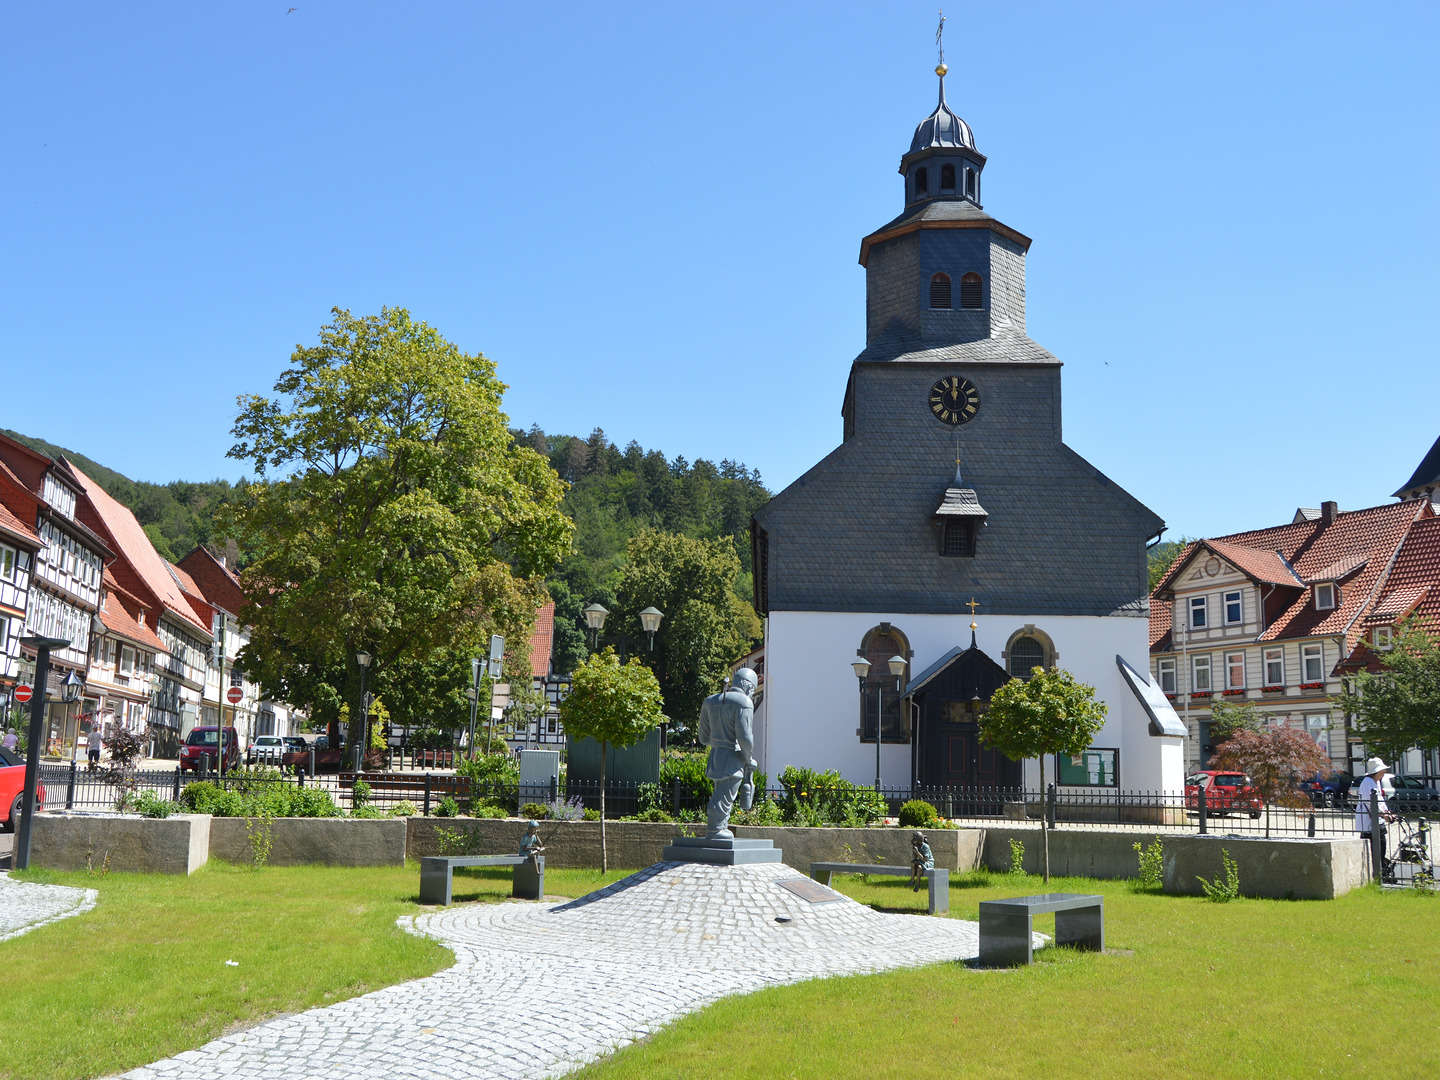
(812, 709)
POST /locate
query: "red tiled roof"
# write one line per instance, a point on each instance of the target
(122, 623)
(1160, 617)
(17, 530)
(118, 526)
(1338, 570)
(1394, 604)
(542, 640)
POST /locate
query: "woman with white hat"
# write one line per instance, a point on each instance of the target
(1375, 770)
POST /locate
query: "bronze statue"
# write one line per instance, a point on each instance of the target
(921, 859)
(530, 843)
(727, 728)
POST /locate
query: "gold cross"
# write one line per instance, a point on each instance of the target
(972, 605)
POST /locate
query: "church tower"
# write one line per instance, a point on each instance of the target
(950, 501)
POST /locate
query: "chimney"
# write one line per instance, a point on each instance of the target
(1328, 510)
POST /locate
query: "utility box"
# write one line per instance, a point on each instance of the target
(539, 775)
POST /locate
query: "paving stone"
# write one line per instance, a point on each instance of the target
(25, 905)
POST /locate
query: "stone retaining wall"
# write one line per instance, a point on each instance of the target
(77, 841)
(301, 841)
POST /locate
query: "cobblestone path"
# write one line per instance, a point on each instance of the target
(537, 989)
(25, 905)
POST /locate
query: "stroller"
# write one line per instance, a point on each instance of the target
(1411, 863)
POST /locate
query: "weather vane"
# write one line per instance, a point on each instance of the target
(940, 38)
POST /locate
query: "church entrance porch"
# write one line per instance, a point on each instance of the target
(948, 700)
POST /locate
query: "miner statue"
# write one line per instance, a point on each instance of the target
(726, 727)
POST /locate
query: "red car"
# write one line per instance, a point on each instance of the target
(12, 787)
(1225, 793)
(199, 750)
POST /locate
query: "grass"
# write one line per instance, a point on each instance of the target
(144, 975)
(1253, 988)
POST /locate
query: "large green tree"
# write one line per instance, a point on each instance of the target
(1049, 713)
(706, 626)
(1399, 706)
(611, 702)
(394, 514)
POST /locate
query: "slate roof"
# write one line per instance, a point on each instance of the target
(1001, 347)
(1426, 473)
(940, 214)
(960, 502)
(1357, 547)
(141, 565)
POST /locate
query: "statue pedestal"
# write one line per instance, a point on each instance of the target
(720, 852)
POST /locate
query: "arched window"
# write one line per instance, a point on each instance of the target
(970, 182)
(940, 290)
(922, 181)
(879, 694)
(947, 177)
(1029, 647)
(970, 291)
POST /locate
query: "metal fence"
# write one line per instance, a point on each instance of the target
(74, 786)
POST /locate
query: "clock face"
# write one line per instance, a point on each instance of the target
(954, 400)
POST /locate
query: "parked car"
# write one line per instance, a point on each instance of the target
(1332, 790)
(266, 749)
(200, 745)
(12, 786)
(1413, 796)
(1225, 792)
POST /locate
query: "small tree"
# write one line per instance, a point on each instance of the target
(615, 703)
(1050, 713)
(1399, 707)
(1226, 720)
(1273, 758)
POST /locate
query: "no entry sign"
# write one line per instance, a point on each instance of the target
(22, 693)
(234, 694)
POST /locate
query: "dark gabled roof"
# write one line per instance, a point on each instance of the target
(940, 214)
(1427, 473)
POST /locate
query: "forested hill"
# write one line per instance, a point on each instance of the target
(178, 516)
(614, 494)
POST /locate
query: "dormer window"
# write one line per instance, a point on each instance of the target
(1382, 637)
(940, 291)
(1325, 596)
(947, 177)
(922, 181)
(957, 540)
(971, 290)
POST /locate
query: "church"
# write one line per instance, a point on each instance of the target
(952, 534)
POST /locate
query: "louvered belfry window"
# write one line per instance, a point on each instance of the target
(921, 182)
(970, 291)
(947, 177)
(940, 291)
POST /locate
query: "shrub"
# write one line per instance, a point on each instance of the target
(651, 815)
(490, 774)
(864, 805)
(538, 811)
(311, 802)
(148, 804)
(457, 842)
(366, 811)
(561, 810)
(1017, 856)
(359, 795)
(1223, 892)
(764, 812)
(1152, 866)
(918, 814)
(592, 815)
(649, 797)
(404, 808)
(487, 809)
(688, 768)
(447, 807)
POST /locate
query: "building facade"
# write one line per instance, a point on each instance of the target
(19, 545)
(952, 530)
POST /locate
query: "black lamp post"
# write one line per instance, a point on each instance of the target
(43, 647)
(358, 751)
(861, 667)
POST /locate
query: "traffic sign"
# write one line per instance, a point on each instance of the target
(22, 693)
(234, 694)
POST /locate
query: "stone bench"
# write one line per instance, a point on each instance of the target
(1007, 926)
(527, 882)
(938, 878)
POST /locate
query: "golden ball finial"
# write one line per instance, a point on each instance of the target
(974, 626)
(941, 69)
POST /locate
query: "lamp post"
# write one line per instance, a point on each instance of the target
(363, 659)
(595, 620)
(474, 695)
(650, 622)
(20, 858)
(70, 689)
(861, 667)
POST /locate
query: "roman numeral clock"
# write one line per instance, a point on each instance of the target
(954, 400)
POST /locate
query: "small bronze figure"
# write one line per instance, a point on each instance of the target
(921, 859)
(530, 844)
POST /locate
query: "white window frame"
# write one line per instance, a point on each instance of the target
(1328, 591)
(1200, 663)
(1308, 653)
(1382, 638)
(1197, 603)
(8, 560)
(1239, 602)
(1165, 672)
(1230, 668)
(1275, 656)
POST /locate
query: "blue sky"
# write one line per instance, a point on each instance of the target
(649, 216)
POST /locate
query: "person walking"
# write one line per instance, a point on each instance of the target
(1374, 783)
(11, 740)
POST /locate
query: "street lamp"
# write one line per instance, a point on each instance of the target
(70, 693)
(595, 620)
(650, 622)
(363, 659)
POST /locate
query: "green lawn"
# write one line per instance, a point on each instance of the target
(1253, 988)
(143, 976)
